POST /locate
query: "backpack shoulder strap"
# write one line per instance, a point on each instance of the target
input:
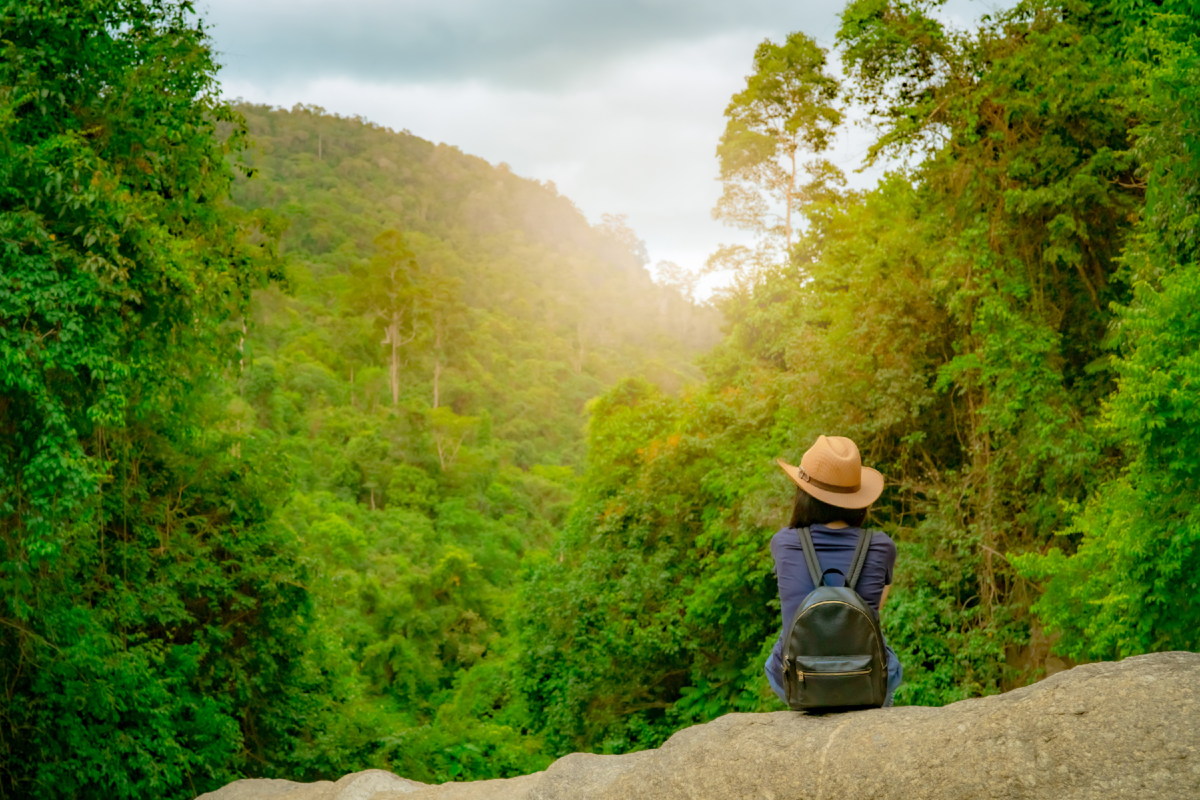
(810, 556)
(860, 557)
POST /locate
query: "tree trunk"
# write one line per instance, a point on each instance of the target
(447, 449)
(791, 192)
(437, 373)
(394, 374)
(242, 355)
(437, 363)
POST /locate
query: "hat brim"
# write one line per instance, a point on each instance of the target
(870, 486)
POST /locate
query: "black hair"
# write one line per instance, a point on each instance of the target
(809, 511)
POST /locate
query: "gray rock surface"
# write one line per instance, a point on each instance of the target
(1098, 731)
(363, 785)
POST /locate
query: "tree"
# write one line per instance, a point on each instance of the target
(110, 259)
(448, 323)
(450, 430)
(787, 108)
(668, 273)
(1037, 190)
(390, 291)
(616, 228)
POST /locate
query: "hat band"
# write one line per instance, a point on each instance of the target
(829, 487)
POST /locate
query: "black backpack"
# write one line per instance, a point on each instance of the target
(833, 653)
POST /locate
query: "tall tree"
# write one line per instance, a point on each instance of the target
(668, 273)
(1023, 133)
(787, 109)
(450, 431)
(391, 292)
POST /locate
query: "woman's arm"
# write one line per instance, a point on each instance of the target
(883, 597)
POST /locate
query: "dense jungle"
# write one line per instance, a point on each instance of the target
(324, 447)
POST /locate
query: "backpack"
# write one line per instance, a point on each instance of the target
(833, 654)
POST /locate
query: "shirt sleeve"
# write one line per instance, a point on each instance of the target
(891, 562)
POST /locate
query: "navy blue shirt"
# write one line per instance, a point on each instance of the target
(835, 550)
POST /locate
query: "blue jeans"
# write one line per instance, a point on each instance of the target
(774, 669)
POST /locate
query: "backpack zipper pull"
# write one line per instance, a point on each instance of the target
(787, 665)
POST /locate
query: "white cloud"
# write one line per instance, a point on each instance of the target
(516, 42)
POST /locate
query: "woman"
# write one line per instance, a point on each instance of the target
(833, 492)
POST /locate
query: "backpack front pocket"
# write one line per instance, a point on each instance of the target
(828, 681)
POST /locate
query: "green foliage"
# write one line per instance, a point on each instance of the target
(408, 611)
(149, 604)
(114, 239)
(1131, 586)
(658, 584)
(247, 537)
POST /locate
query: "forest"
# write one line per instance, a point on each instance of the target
(324, 447)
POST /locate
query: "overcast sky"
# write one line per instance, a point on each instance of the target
(620, 103)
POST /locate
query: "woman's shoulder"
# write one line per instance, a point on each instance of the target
(884, 545)
(881, 539)
(784, 537)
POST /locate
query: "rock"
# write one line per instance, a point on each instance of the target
(258, 789)
(506, 789)
(1102, 731)
(357, 786)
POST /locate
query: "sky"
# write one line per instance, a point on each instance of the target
(619, 103)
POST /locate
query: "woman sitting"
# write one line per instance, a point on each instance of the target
(834, 491)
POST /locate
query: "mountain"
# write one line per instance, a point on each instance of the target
(555, 310)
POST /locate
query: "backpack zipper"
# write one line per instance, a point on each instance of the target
(800, 673)
(833, 674)
(834, 602)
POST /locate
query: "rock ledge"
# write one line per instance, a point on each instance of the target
(1098, 731)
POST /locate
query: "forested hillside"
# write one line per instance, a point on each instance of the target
(423, 373)
(505, 299)
(323, 447)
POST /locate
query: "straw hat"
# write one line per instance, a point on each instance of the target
(832, 471)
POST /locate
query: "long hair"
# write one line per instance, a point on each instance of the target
(809, 511)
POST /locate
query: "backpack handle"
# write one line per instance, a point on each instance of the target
(845, 582)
